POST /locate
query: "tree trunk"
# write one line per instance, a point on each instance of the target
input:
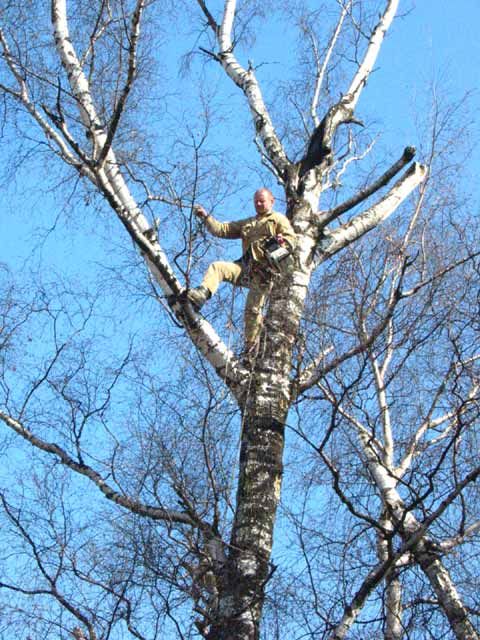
(445, 591)
(265, 407)
(430, 562)
(248, 566)
(393, 607)
(393, 587)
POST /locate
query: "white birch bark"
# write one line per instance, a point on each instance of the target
(267, 393)
(110, 180)
(455, 541)
(376, 214)
(376, 40)
(393, 587)
(389, 563)
(245, 79)
(320, 150)
(60, 142)
(321, 69)
(108, 491)
(450, 420)
(423, 552)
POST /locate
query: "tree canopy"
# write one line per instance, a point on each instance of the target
(154, 483)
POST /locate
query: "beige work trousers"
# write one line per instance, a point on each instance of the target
(233, 272)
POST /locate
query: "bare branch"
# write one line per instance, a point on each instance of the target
(451, 417)
(372, 580)
(321, 144)
(210, 19)
(365, 193)
(372, 217)
(132, 69)
(322, 69)
(51, 580)
(371, 54)
(455, 541)
(80, 163)
(154, 513)
(247, 82)
(312, 374)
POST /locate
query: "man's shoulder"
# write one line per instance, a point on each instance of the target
(278, 216)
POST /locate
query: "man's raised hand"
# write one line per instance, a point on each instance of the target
(200, 212)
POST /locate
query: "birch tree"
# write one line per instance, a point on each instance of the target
(189, 532)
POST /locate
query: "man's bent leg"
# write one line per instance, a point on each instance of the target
(219, 272)
(216, 273)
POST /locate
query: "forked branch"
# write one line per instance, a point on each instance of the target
(360, 225)
(245, 79)
(320, 148)
(110, 181)
(365, 193)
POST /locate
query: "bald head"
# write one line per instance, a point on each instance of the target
(263, 201)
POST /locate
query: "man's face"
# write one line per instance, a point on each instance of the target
(263, 201)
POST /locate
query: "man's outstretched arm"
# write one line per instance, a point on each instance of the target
(230, 230)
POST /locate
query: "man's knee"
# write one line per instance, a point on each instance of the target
(215, 267)
(216, 273)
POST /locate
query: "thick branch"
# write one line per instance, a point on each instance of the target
(111, 183)
(210, 19)
(424, 551)
(455, 541)
(452, 417)
(372, 217)
(321, 70)
(132, 69)
(355, 606)
(376, 40)
(314, 372)
(321, 144)
(363, 194)
(247, 82)
(22, 96)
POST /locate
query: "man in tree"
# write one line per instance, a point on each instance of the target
(253, 269)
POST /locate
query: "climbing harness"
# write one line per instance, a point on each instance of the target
(278, 261)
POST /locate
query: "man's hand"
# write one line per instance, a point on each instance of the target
(200, 212)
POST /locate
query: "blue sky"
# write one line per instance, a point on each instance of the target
(433, 44)
(436, 42)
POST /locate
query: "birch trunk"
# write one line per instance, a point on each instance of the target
(393, 588)
(265, 395)
(428, 558)
(393, 608)
(248, 566)
(265, 407)
(446, 592)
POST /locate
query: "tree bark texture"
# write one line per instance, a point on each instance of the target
(393, 587)
(248, 565)
(430, 562)
(265, 407)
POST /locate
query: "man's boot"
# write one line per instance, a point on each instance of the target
(198, 296)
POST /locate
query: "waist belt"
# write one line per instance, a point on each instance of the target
(261, 272)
